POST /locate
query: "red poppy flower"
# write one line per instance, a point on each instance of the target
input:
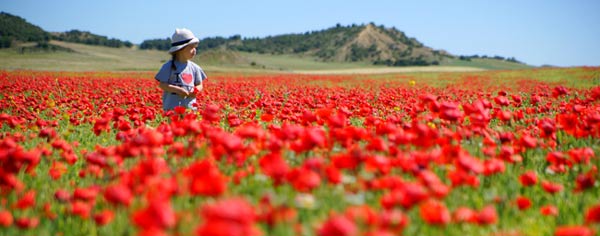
(312, 137)
(346, 161)
(585, 181)
(551, 187)
(528, 178)
(303, 180)
(568, 122)
(558, 161)
(493, 166)
(27, 223)
(81, 209)
(469, 163)
(211, 113)
(523, 202)
(334, 175)
(6, 218)
(179, 110)
(573, 230)
(559, 91)
(274, 166)
(48, 133)
(464, 215)
(434, 212)
(86, 194)
(433, 183)
(48, 212)
(338, 225)
(104, 217)
(57, 169)
(393, 220)
(449, 111)
(460, 177)
(548, 128)
(27, 200)
(228, 217)
(118, 194)
(528, 141)
(412, 193)
(549, 210)
(62, 195)
(250, 130)
(593, 214)
(158, 213)
(101, 125)
(502, 101)
(274, 215)
(581, 155)
(487, 215)
(362, 213)
(205, 179)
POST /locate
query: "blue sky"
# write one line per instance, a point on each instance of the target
(537, 32)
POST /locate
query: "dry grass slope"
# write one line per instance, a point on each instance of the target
(98, 58)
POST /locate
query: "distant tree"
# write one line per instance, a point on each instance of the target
(512, 59)
(5, 42)
(14, 28)
(208, 43)
(499, 58)
(158, 44)
(77, 36)
(464, 58)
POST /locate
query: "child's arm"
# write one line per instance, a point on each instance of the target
(174, 89)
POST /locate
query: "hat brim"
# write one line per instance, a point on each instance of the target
(179, 47)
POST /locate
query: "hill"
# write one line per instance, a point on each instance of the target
(375, 45)
(339, 49)
(77, 36)
(14, 29)
(365, 44)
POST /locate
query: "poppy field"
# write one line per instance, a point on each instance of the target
(477, 153)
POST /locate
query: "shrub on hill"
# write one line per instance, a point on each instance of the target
(41, 47)
(16, 29)
(500, 58)
(76, 36)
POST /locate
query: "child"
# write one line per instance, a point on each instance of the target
(181, 78)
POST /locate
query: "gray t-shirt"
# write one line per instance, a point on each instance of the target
(186, 75)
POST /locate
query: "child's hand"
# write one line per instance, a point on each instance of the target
(192, 93)
(196, 91)
(182, 92)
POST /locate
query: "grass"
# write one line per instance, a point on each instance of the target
(289, 62)
(85, 58)
(488, 64)
(97, 58)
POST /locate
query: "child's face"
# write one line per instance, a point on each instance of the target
(188, 52)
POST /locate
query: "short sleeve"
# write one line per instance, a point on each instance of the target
(163, 74)
(200, 75)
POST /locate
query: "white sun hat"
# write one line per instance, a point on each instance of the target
(182, 38)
